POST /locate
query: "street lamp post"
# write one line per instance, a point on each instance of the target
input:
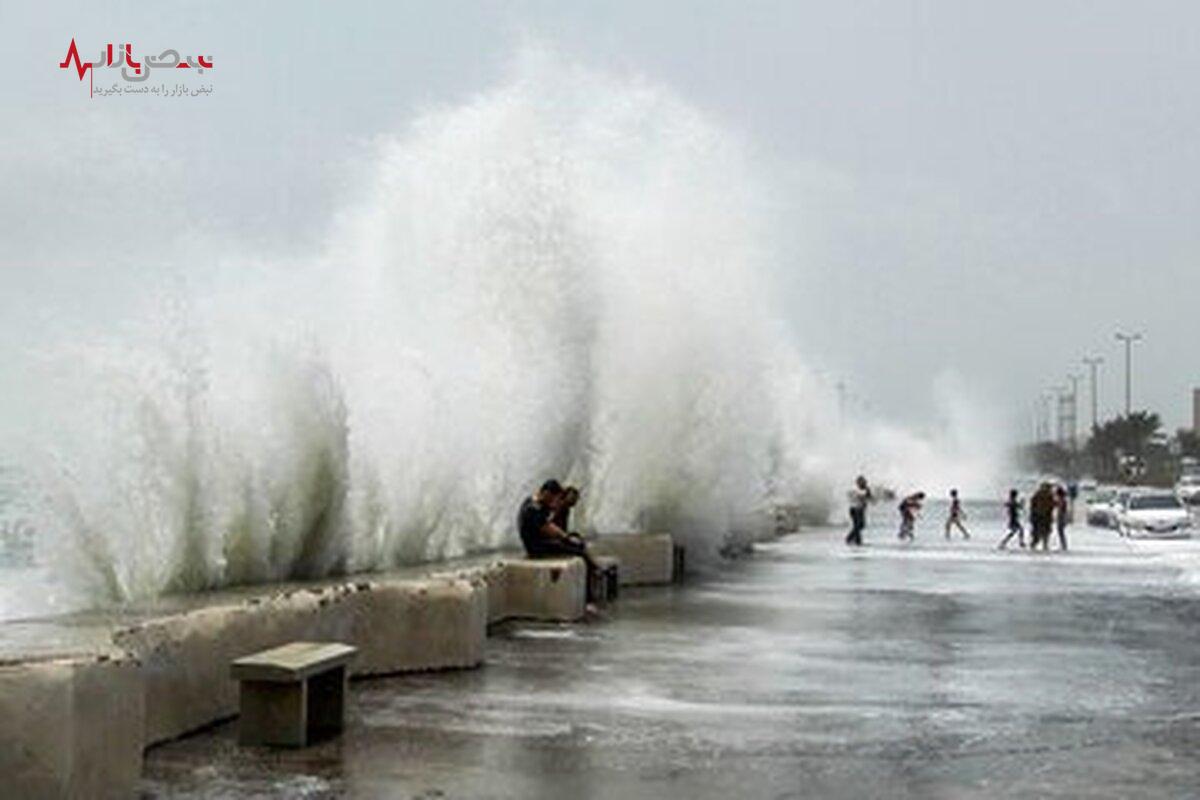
(1092, 364)
(1059, 395)
(1073, 418)
(1128, 339)
(1044, 417)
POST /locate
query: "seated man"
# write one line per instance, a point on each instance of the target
(541, 536)
(562, 512)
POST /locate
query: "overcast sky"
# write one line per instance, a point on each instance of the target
(986, 189)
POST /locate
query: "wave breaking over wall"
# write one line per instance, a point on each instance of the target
(567, 276)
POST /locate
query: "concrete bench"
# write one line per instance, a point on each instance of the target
(293, 694)
(646, 558)
(547, 589)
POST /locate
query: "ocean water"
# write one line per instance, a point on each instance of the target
(27, 585)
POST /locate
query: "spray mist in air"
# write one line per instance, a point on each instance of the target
(566, 276)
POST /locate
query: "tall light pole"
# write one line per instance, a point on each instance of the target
(1059, 395)
(1129, 339)
(1093, 363)
(1044, 416)
(1073, 419)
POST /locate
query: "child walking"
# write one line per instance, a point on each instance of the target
(1013, 507)
(955, 520)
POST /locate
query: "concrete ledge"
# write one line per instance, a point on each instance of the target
(410, 626)
(646, 558)
(550, 589)
(70, 728)
(397, 625)
(492, 580)
(185, 657)
(75, 725)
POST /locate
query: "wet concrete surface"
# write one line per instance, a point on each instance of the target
(808, 670)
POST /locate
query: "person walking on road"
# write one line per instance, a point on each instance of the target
(1041, 517)
(860, 496)
(909, 507)
(955, 520)
(1013, 507)
(1062, 515)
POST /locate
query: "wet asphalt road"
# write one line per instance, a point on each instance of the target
(933, 670)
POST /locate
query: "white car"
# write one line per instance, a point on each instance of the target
(1188, 489)
(1102, 508)
(1154, 515)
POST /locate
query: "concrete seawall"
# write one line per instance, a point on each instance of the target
(397, 625)
(74, 720)
(71, 727)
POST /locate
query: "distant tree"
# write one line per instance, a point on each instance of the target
(1047, 457)
(1126, 435)
(1189, 442)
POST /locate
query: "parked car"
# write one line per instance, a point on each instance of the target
(1154, 515)
(1188, 489)
(1102, 508)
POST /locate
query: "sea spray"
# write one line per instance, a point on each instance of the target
(567, 276)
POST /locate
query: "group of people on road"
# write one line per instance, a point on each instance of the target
(1049, 508)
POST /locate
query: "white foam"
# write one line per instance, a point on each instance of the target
(568, 275)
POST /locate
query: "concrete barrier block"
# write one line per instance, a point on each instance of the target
(398, 625)
(71, 728)
(552, 589)
(406, 626)
(495, 578)
(646, 558)
(109, 715)
(491, 579)
(35, 729)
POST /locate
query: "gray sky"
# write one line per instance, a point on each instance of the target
(987, 189)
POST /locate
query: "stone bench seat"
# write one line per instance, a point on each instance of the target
(546, 589)
(293, 694)
(647, 559)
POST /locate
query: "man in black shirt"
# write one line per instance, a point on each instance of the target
(562, 511)
(533, 519)
(541, 536)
